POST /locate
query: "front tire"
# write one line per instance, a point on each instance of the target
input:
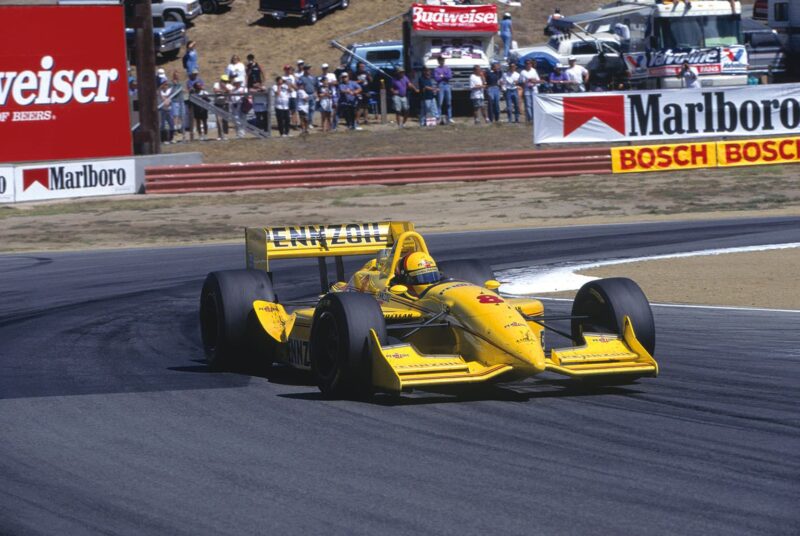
(232, 335)
(174, 16)
(606, 302)
(340, 334)
(209, 6)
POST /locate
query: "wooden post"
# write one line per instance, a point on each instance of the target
(147, 137)
(383, 101)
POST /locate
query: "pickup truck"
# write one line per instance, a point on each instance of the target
(308, 10)
(177, 10)
(168, 38)
(213, 6)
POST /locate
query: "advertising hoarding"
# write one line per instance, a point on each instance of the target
(74, 178)
(479, 18)
(63, 83)
(659, 115)
(663, 157)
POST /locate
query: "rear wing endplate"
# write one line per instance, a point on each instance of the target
(265, 244)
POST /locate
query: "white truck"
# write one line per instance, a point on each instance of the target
(657, 36)
(782, 16)
(463, 35)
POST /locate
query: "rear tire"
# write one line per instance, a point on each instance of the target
(473, 271)
(606, 302)
(340, 356)
(174, 16)
(209, 6)
(232, 335)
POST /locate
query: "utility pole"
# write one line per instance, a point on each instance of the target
(146, 138)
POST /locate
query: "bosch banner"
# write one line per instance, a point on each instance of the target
(663, 157)
(758, 152)
(63, 83)
(454, 18)
(656, 115)
(58, 180)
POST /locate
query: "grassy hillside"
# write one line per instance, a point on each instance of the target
(242, 30)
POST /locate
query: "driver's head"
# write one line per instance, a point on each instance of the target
(417, 269)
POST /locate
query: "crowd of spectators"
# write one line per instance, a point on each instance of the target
(293, 100)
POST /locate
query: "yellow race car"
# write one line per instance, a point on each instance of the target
(403, 322)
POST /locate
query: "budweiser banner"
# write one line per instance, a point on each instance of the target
(667, 114)
(481, 18)
(58, 180)
(63, 83)
(6, 184)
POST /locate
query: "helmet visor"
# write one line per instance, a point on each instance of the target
(426, 278)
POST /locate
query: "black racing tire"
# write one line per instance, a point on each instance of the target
(606, 302)
(340, 358)
(473, 271)
(209, 6)
(233, 338)
(312, 17)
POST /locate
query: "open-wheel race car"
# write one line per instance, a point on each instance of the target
(403, 322)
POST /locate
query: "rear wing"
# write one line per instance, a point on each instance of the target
(265, 244)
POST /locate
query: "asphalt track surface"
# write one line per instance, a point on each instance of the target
(111, 423)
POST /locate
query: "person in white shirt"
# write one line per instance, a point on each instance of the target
(510, 84)
(529, 79)
(477, 83)
(578, 76)
(623, 31)
(689, 76)
(291, 80)
(238, 98)
(280, 97)
(236, 68)
(303, 99)
(221, 90)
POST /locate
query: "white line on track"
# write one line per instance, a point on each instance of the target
(687, 306)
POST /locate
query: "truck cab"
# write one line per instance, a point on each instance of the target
(168, 38)
(177, 10)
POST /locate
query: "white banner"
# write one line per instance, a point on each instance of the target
(6, 184)
(77, 178)
(666, 114)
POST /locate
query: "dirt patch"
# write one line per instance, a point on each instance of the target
(752, 279)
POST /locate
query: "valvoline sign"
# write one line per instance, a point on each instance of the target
(63, 83)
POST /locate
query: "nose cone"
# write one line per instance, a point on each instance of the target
(499, 332)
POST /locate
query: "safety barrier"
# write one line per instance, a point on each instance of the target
(381, 170)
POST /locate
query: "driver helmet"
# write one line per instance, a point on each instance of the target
(418, 268)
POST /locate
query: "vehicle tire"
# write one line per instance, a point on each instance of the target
(209, 6)
(171, 54)
(339, 348)
(174, 16)
(606, 302)
(471, 270)
(312, 17)
(232, 335)
(344, 4)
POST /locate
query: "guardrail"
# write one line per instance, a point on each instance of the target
(380, 170)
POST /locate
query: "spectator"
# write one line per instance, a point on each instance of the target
(443, 74)
(161, 77)
(239, 105)
(255, 75)
(493, 78)
(330, 77)
(177, 105)
(303, 100)
(477, 84)
(551, 28)
(600, 78)
(222, 90)
(291, 81)
(309, 84)
(164, 104)
(260, 105)
(236, 69)
(428, 111)
(558, 80)
(325, 96)
(194, 78)
(578, 76)
(133, 88)
(364, 79)
(200, 113)
(333, 84)
(281, 93)
(510, 84)
(505, 34)
(623, 31)
(400, 86)
(190, 58)
(348, 99)
(689, 77)
(529, 78)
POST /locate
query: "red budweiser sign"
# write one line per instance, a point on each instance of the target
(454, 18)
(63, 94)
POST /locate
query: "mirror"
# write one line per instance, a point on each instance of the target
(492, 284)
(398, 289)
